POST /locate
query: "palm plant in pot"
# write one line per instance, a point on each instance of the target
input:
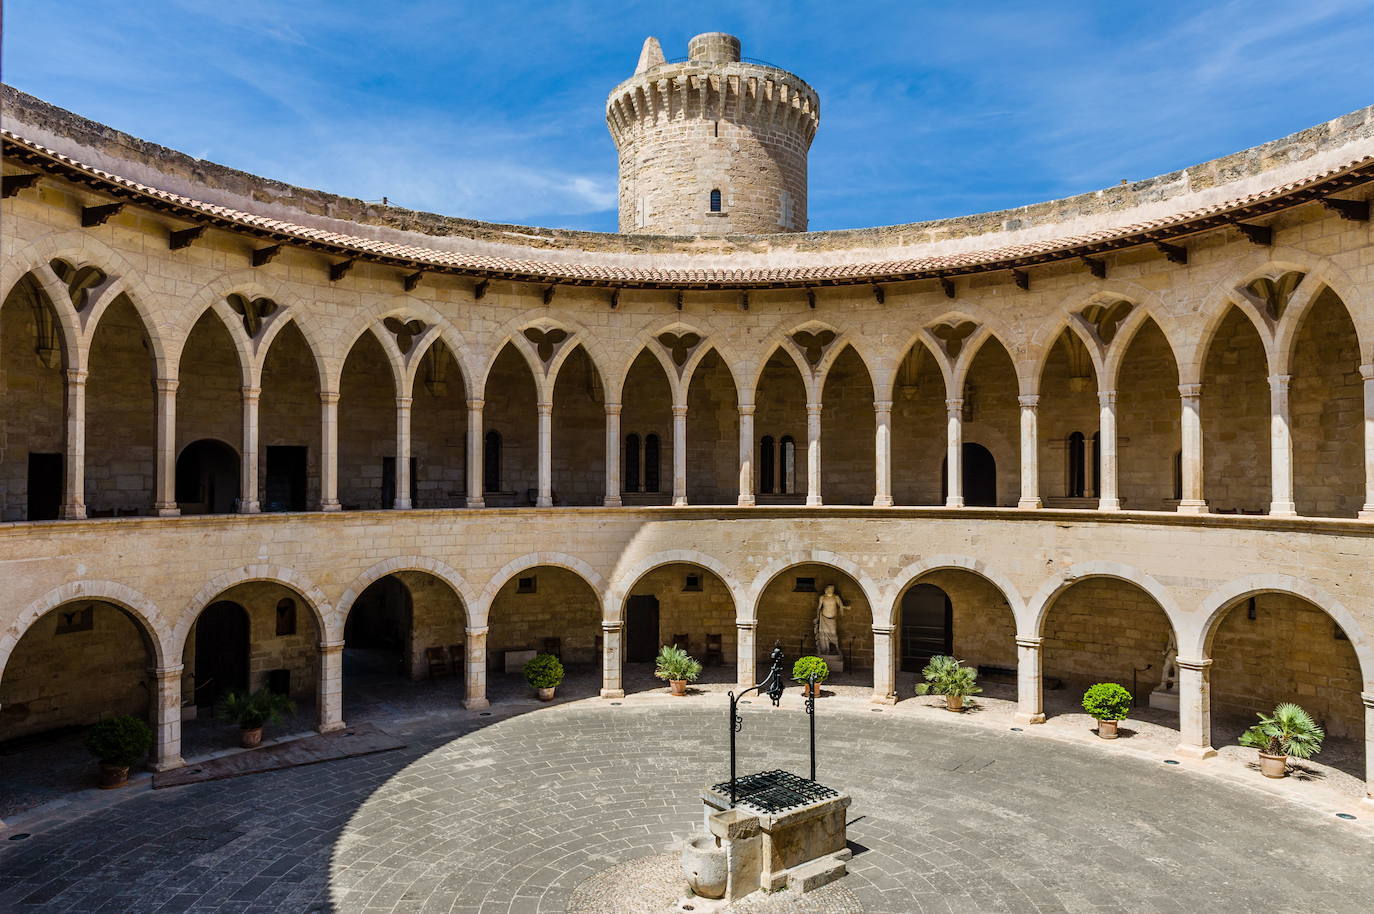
(1109, 704)
(806, 667)
(1288, 731)
(117, 743)
(544, 673)
(253, 711)
(944, 675)
(676, 666)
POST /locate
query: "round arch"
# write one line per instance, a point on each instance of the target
(144, 612)
(748, 607)
(1039, 605)
(590, 576)
(624, 579)
(429, 566)
(327, 623)
(911, 575)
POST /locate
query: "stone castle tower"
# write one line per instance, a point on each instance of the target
(711, 145)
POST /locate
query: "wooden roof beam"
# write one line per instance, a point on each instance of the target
(184, 238)
(91, 216)
(1352, 210)
(13, 184)
(263, 256)
(1175, 253)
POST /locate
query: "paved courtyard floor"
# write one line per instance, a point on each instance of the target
(512, 811)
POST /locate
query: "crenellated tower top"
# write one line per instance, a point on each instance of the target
(715, 144)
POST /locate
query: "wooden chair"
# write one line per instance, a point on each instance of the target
(553, 646)
(715, 650)
(456, 657)
(438, 662)
(683, 642)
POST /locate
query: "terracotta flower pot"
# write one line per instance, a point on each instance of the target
(250, 738)
(546, 694)
(1273, 766)
(954, 702)
(113, 776)
(1107, 729)
(813, 690)
(679, 686)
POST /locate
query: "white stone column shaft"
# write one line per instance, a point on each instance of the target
(884, 666)
(954, 454)
(1193, 500)
(248, 484)
(614, 448)
(475, 670)
(1030, 452)
(1280, 448)
(882, 447)
(74, 460)
(329, 450)
(1107, 499)
(402, 501)
(744, 653)
(746, 454)
(476, 454)
(1030, 708)
(1195, 708)
(166, 717)
(679, 455)
(330, 698)
(165, 469)
(545, 499)
(612, 685)
(1367, 373)
(813, 454)
(1368, 699)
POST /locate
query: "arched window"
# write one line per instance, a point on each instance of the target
(1076, 466)
(766, 458)
(631, 473)
(650, 463)
(715, 200)
(788, 472)
(1097, 464)
(286, 617)
(491, 462)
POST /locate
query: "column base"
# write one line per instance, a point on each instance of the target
(612, 693)
(954, 501)
(168, 764)
(813, 501)
(476, 502)
(1283, 509)
(1029, 718)
(334, 505)
(1108, 504)
(73, 512)
(612, 502)
(544, 501)
(1196, 752)
(333, 727)
(401, 504)
(1030, 503)
(680, 502)
(1191, 506)
(746, 501)
(250, 507)
(1366, 513)
(883, 502)
(476, 704)
(167, 510)
(889, 699)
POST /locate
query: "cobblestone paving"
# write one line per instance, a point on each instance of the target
(511, 813)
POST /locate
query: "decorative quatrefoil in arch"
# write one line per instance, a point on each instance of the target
(679, 346)
(813, 344)
(253, 311)
(79, 281)
(405, 331)
(546, 342)
(1106, 317)
(953, 334)
(1275, 293)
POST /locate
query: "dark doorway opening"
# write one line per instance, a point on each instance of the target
(389, 481)
(45, 486)
(641, 629)
(927, 626)
(979, 482)
(286, 477)
(377, 633)
(207, 478)
(221, 652)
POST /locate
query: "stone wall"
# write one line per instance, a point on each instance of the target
(438, 431)
(562, 606)
(121, 435)
(367, 424)
(289, 410)
(696, 613)
(1068, 404)
(1099, 630)
(713, 435)
(31, 420)
(1148, 422)
(847, 427)
(1235, 419)
(511, 412)
(579, 433)
(1326, 401)
(437, 619)
(209, 393)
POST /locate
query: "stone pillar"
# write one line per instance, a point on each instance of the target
(545, 499)
(882, 441)
(611, 656)
(954, 457)
(1106, 437)
(746, 454)
(813, 454)
(744, 653)
(166, 717)
(679, 455)
(1280, 448)
(476, 455)
(74, 477)
(613, 451)
(1195, 708)
(1368, 699)
(476, 670)
(248, 482)
(330, 700)
(329, 450)
(1030, 452)
(884, 666)
(1192, 501)
(402, 502)
(1030, 708)
(1367, 372)
(165, 496)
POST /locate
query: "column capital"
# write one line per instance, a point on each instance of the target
(75, 376)
(1106, 398)
(745, 409)
(1030, 643)
(329, 397)
(166, 672)
(250, 393)
(331, 647)
(1280, 382)
(475, 403)
(166, 385)
(1190, 390)
(612, 409)
(813, 409)
(884, 629)
(1196, 665)
(1029, 401)
(882, 406)
(1368, 699)
(545, 409)
(954, 404)
(478, 632)
(746, 624)
(612, 627)
(679, 410)
(404, 402)
(1367, 371)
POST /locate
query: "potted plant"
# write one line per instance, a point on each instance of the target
(804, 667)
(944, 675)
(677, 666)
(1288, 731)
(117, 743)
(545, 673)
(253, 711)
(1109, 704)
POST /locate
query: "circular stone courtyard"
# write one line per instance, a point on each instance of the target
(543, 810)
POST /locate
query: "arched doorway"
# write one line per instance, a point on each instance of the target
(979, 476)
(927, 627)
(377, 633)
(685, 605)
(210, 408)
(956, 612)
(207, 480)
(222, 637)
(786, 614)
(780, 431)
(544, 609)
(32, 414)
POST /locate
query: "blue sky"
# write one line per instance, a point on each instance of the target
(495, 110)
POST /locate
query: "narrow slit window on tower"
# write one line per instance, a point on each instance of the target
(715, 200)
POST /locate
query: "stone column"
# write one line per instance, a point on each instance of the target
(746, 454)
(1195, 708)
(1030, 708)
(166, 717)
(613, 451)
(1193, 501)
(1367, 372)
(884, 666)
(679, 455)
(330, 700)
(248, 483)
(329, 450)
(74, 476)
(545, 499)
(1280, 448)
(1106, 437)
(165, 496)
(612, 685)
(1030, 452)
(882, 441)
(1368, 699)
(402, 502)
(744, 653)
(476, 455)
(813, 454)
(954, 456)
(475, 670)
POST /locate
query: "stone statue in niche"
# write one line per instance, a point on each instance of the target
(829, 608)
(1165, 695)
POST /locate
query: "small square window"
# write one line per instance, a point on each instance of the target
(692, 584)
(805, 585)
(79, 620)
(525, 585)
